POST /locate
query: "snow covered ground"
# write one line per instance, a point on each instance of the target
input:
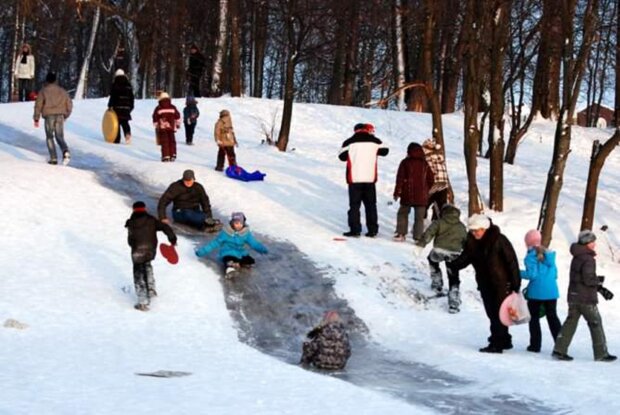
(66, 270)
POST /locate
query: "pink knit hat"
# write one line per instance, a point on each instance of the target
(533, 238)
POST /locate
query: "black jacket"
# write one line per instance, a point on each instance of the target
(583, 285)
(142, 236)
(121, 98)
(183, 197)
(327, 347)
(495, 262)
(196, 65)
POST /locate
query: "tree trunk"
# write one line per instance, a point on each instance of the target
(260, 45)
(351, 65)
(499, 38)
(82, 85)
(235, 49)
(399, 53)
(216, 87)
(617, 72)
(287, 111)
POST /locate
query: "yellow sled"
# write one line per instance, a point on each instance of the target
(109, 126)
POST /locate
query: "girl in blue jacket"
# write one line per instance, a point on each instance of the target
(542, 290)
(231, 242)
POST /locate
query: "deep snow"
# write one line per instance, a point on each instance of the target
(67, 271)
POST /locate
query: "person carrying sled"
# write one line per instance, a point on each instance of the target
(142, 231)
(582, 300)
(54, 104)
(190, 119)
(414, 180)
(438, 193)
(231, 242)
(328, 346)
(166, 120)
(542, 290)
(122, 102)
(225, 139)
(190, 203)
(497, 274)
(24, 73)
(448, 234)
(360, 152)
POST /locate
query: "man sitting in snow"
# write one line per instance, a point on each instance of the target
(190, 203)
(328, 345)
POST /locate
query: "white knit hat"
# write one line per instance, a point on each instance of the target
(478, 221)
(163, 95)
(119, 72)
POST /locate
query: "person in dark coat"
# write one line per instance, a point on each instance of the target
(195, 69)
(413, 183)
(142, 231)
(122, 102)
(190, 203)
(497, 274)
(582, 300)
(328, 346)
(190, 118)
(360, 153)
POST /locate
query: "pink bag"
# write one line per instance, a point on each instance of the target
(514, 310)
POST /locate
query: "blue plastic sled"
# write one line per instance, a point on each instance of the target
(238, 173)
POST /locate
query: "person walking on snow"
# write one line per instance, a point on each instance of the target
(231, 242)
(54, 104)
(438, 193)
(225, 139)
(497, 274)
(414, 180)
(328, 346)
(195, 69)
(122, 102)
(448, 234)
(360, 152)
(142, 231)
(542, 290)
(582, 300)
(190, 119)
(166, 120)
(24, 73)
(190, 203)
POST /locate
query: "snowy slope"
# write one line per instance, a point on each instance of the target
(67, 270)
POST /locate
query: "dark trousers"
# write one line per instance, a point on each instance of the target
(436, 201)
(535, 307)
(24, 86)
(229, 153)
(363, 193)
(194, 85)
(595, 324)
(192, 217)
(144, 282)
(189, 132)
(244, 261)
(124, 124)
(500, 337)
(168, 144)
(402, 220)
(434, 258)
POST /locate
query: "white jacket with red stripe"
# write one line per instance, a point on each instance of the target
(360, 152)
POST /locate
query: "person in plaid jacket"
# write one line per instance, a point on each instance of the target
(328, 345)
(438, 194)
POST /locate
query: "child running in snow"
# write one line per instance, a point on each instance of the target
(542, 290)
(166, 120)
(231, 241)
(449, 235)
(142, 238)
(190, 119)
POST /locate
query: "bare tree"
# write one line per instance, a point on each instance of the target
(216, 87)
(82, 86)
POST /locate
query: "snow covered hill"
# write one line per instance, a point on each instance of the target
(66, 272)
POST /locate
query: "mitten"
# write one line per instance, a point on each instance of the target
(607, 295)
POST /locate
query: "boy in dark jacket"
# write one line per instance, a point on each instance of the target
(449, 235)
(190, 119)
(582, 300)
(328, 345)
(166, 120)
(142, 238)
(413, 183)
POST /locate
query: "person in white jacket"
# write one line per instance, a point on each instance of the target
(24, 72)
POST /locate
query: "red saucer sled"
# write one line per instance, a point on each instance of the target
(168, 252)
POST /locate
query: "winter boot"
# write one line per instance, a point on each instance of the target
(66, 158)
(561, 356)
(127, 138)
(398, 238)
(454, 300)
(141, 307)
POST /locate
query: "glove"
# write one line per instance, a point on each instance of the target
(36, 123)
(607, 295)
(210, 222)
(601, 279)
(263, 251)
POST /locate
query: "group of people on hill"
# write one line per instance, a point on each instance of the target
(422, 181)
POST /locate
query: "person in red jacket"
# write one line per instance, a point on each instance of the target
(166, 120)
(413, 183)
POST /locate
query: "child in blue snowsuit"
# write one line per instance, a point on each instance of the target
(231, 241)
(542, 290)
(190, 119)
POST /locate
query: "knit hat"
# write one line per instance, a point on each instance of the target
(50, 78)
(364, 128)
(189, 175)
(139, 206)
(224, 113)
(533, 238)
(190, 100)
(163, 95)
(432, 144)
(237, 217)
(478, 221)
(586, 236)
(119, 72)
(412, 146)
